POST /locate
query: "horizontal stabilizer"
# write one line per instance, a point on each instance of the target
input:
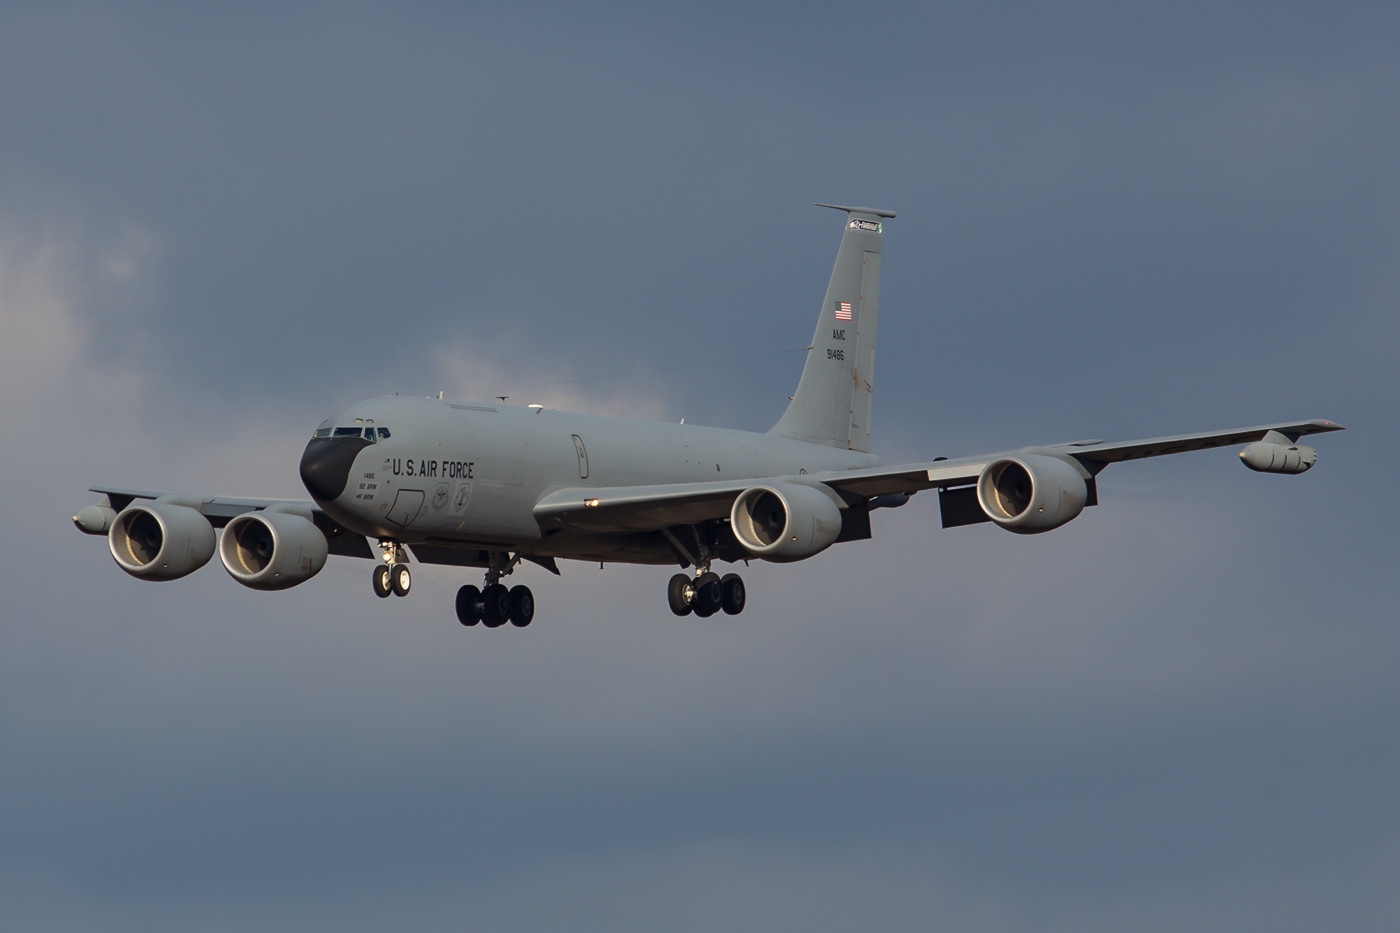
(857, 210)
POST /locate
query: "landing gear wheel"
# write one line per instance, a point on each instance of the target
(679, 593)
(709, 595)
(381, 581)
(400, 579)
(732, 586)
(522, 606)
(467, 611)
(495, 606)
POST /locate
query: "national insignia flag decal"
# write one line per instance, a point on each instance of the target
(843, 310)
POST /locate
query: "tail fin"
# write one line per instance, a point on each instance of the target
(832, 402)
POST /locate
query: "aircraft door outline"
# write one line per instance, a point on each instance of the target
(582, 457)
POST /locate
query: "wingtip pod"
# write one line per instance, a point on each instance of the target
(94, 519)
(1275, 453)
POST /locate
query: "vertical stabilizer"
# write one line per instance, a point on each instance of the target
(832, 403)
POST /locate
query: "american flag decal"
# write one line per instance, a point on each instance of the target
(843, 310)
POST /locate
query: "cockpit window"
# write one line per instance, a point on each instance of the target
(369, 432)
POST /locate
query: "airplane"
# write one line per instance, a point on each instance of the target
(488, 486)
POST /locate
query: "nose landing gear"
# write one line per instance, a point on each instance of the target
(392, 576)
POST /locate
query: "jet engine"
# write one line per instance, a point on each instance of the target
(272, 550)
(785, 521)
(160, 540)
(1031, 493)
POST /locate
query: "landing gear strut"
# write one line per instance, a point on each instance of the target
(392, 576)
(493, 605)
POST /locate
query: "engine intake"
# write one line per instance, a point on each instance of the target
(1031, 493)
(785, 521)
(160, 540)
(272, 550)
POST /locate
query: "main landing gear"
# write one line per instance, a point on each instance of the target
(706, 593)
(493, 605)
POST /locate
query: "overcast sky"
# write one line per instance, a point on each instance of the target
(219, 226)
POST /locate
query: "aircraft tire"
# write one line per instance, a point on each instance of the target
(734, 598)
(381, 581)
(522, 606)
(468, 612)
(709, 595)
(676, 594)
(495, 606)
(400, 579)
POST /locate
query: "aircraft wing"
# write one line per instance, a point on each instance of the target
(1094, 455)
(627, 509)
(1101, 453)
(220, 509)
(624, 509)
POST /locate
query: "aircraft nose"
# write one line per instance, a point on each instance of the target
(325, 465)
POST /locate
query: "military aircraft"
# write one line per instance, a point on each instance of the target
(491, 485)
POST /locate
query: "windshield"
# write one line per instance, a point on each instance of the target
(369, 432)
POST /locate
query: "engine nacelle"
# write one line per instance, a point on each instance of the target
(160, 540)
(272, 550)
(1031, 493)
(1267, 457)
(785, 521)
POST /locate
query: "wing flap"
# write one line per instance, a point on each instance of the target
(626, 509)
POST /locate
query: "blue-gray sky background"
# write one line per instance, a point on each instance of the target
(220, 225)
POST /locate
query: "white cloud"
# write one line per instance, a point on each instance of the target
(483, 368)
(42, 337)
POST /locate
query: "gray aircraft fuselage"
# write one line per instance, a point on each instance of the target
(467, 475)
